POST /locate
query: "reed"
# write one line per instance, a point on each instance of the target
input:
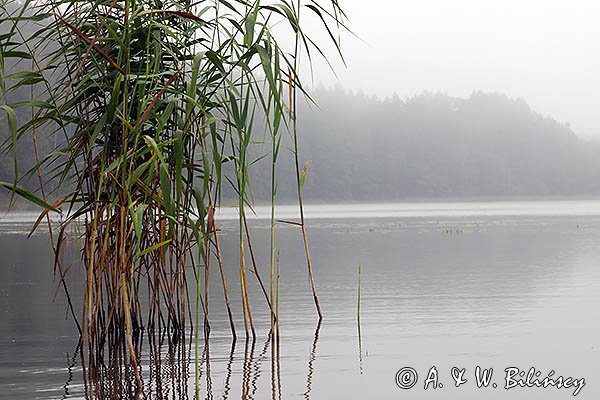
(148, 100)
(360, 358)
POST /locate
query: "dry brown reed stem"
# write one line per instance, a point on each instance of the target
(224, 281)
(87, 302)
(309, 264)
(292, 99)
(128, 330)
(255, 269)
(210, 227)
(244, 290)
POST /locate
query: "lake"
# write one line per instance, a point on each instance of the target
(489, 284)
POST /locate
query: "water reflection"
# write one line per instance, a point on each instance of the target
(70, 374)
(110, 374)
(311, 362)
(503, 291)
(227, 385)
(167, 370)
(247, 366)
(275, 368)
(170, 375)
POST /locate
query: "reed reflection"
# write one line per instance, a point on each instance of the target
(166, 369)
(227, 385)
(311, 362)
(162, 372)
(70, 375)
(275, 368)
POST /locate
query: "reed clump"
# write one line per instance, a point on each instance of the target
(147, 101)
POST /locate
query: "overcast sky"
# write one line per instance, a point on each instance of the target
(544, 51)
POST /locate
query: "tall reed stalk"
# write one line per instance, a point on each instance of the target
(358, 320)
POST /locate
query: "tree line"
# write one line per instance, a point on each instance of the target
(429, 146)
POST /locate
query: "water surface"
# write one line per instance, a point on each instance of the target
(497, 284)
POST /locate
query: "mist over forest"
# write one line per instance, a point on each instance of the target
(430, 146)
(433, 146)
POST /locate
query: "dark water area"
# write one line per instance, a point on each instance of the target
(446, 285)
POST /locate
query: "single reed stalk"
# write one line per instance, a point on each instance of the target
(277, 294)
(255, 269)
(300, 182)
(225, 292)
(128, 331)
(358, 319)
(243, 277)
(87, 302)
(248, 305)
(244, 285)
(196, 332)
(358, 299)
(275, 142)
(210, 227)
(272, 258)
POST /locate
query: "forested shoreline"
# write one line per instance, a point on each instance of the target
(430, 146)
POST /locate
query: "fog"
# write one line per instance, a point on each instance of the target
(440, 99)
(543, 51)
(430, 146)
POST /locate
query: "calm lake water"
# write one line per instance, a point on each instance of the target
(495, 285)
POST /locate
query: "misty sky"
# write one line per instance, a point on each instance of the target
(544, 51)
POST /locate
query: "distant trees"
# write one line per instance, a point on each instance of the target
(359, 148)
(432, 145)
